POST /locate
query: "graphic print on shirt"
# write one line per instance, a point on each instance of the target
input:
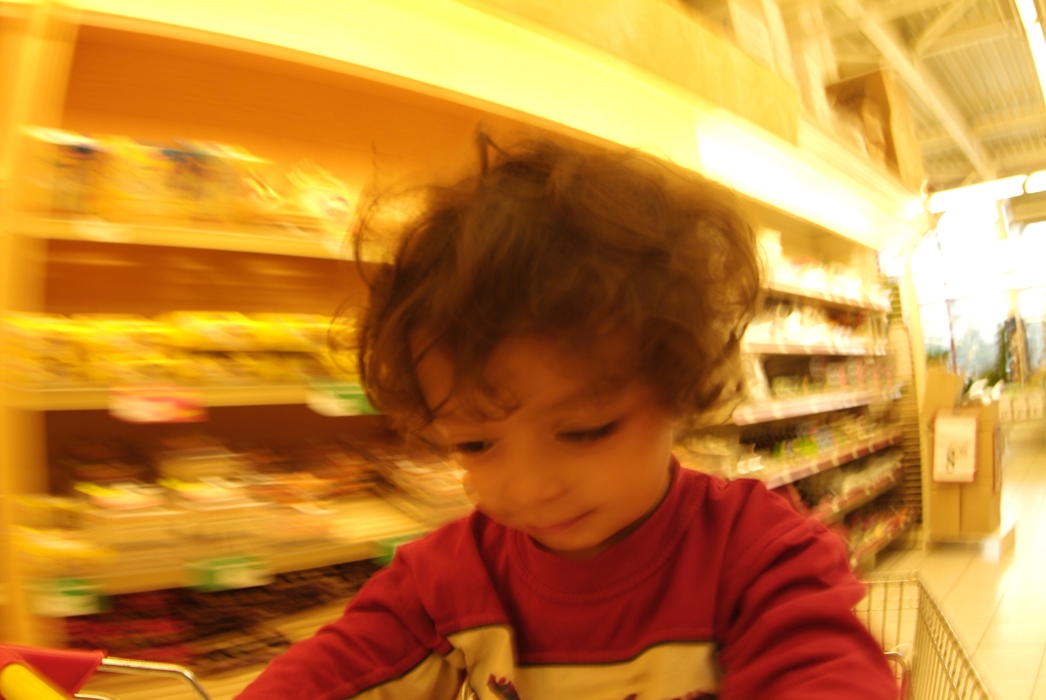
(667, 671)
(504, 690)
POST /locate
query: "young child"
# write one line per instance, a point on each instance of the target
(554, 320)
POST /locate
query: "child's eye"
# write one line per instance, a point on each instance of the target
(472, 447)
(590, 435)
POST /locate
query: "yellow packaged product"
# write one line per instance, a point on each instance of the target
(225, 183)
(215, 331)
(61, 171)
(292, 332)
(42, 347)
(134, 181)
(121, 332)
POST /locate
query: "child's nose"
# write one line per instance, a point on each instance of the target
(534, 483)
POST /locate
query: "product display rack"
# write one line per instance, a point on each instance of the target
(897, 526)
(799, 347)
(764, 411)
(346, 91)
(271, 240)
(370, 521)
(854, 499)
(80, 398)
(828, 299)
(835, 458)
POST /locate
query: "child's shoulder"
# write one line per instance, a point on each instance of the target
(744, 504)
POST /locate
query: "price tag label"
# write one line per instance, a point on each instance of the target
(163, 404)
(339, 399)
(226, 573)
(66, 597)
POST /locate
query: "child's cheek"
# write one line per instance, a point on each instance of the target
(468, 483)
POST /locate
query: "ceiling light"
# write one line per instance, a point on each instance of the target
(1036, 182)
(992, 191)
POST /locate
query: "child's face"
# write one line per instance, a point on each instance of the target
(575, 469)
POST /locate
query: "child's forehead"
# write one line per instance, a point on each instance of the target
(524, 371)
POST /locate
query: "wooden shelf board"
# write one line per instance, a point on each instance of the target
(782, 289)
(85, 398)
(272, 241)
(370, 519)
(786, 347)
(871, 549)
(835, 458)
(855, 499)
(766, 411)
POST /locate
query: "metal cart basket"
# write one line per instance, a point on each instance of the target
(902, 615)
(907, 621)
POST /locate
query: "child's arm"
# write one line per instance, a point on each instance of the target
(786, 620)
(382, 647)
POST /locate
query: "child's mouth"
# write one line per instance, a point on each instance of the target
(561, 526)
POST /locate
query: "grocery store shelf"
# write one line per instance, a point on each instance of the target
(894, 529)
(221, 686)
(790, 290)
(835, 458)
(81, 398)
(785, 347)
(364, 522)
(842, 504)
(268, 240)
(761, 412)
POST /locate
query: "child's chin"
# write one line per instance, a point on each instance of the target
(570, 548)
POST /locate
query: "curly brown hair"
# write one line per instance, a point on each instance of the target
(563, 242)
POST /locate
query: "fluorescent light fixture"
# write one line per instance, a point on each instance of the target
(1036, 182)
(991, 191)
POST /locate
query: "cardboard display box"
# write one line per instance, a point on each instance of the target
(881, 106)
(971, 510)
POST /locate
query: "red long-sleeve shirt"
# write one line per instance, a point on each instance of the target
(724, 591)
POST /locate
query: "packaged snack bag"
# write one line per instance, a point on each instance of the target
(61, 171)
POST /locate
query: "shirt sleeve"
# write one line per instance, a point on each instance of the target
(785, 616)
(383, 646)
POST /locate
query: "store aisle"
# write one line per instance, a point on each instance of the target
(998, 607)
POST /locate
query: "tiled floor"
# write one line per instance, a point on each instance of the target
(998, 604)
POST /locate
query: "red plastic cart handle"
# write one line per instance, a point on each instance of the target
(68, 669)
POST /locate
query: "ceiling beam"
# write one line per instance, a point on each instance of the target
(863, 57)
(987, 130)
(971, 36)
(1017, 163)
(895, 9)
(940, 24)
(891, 46)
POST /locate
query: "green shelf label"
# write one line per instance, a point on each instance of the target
(339, 399)
(66, 597)
(227, 573)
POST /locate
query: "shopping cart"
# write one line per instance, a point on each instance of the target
(903, 616)
(907, 621)
(56, 674)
